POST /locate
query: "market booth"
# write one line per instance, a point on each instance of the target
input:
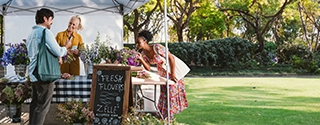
(111, 88)
(98, 16)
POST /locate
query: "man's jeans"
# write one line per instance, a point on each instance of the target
(40, 103)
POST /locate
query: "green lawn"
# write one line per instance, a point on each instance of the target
(252, 101)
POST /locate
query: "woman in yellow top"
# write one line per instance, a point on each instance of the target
(71, 35)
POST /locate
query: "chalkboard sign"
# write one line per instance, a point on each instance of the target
(110, 93)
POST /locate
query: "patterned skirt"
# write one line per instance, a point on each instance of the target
(178, 99)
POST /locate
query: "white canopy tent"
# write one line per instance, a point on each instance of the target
(103, 16)
(60, 7)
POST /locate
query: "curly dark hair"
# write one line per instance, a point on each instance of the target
(145, 34)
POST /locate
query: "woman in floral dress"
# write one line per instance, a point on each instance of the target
(154, 54)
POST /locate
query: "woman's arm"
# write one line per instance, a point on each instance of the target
(172, 67)
(145, 64)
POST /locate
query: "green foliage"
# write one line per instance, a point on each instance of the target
(231, 52)
(311, 15)
(308, 65)
(180, 50)
(234, 53)
(147, 16)
(206, 23)
(290, 24)
(303, 60)
(238, 54)
(286, 51)
(270, 47)
(269, 55)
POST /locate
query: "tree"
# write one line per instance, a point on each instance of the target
(286, 28)
(145, 17)
(179, 12)
(258, 15)
(206, 23)
(310, 20)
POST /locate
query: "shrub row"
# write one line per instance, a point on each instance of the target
(237, 53)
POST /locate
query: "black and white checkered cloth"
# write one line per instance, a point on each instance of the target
(77, 88)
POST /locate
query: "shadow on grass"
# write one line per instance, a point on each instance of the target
(243, 105)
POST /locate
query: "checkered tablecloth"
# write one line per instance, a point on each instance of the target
(78, 88)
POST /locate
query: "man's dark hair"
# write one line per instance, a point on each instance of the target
(43, 12)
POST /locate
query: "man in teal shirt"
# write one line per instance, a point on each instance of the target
(41, 91)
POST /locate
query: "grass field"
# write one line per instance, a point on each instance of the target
(252, 101)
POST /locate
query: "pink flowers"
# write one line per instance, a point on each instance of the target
(143, 75)
(75, 111)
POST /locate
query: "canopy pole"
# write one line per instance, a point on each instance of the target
(167, 59)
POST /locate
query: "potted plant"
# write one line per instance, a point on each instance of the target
(13, 95)
(17, 56)
(75, 111)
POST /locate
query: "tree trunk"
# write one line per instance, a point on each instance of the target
(180, 34)
(135, 32)
(303, 22)
(317, 41)
(276, 33)
(261, 43)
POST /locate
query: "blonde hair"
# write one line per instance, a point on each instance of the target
(79, 27)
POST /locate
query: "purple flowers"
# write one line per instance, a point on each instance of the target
(132, 61)
(16, 54)
(128, 56)
(99, 51)
(90, 54)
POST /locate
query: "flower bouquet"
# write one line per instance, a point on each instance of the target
(98, 51)
(68, 58)
(108, 53)
(127, 57)
(89, 54)
(75, 111)
(16, 54)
